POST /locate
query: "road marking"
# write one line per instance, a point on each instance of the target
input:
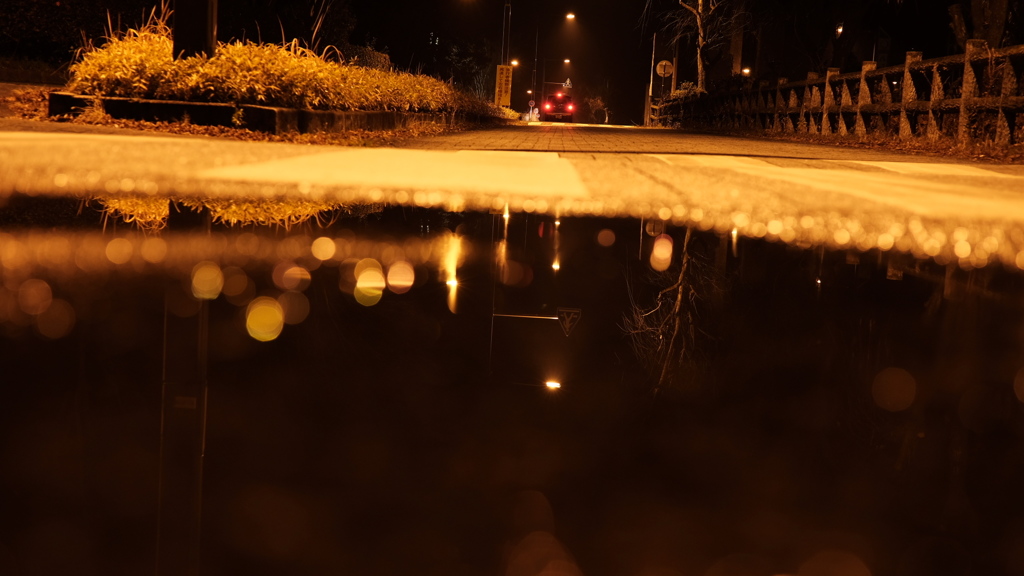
(484, 171)
(934, 169)
(976, 191)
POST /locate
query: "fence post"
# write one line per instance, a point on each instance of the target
(829, 101)
(909, 96)
(969, 88)
(863, 97)
(806, 123)
(782, 108)
(1007, 122)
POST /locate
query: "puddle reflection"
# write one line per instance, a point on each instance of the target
(387, 402)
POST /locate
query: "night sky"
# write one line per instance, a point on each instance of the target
(610, 53)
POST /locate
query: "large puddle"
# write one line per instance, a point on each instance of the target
(417, 391)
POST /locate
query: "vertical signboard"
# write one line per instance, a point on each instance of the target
(503, 86)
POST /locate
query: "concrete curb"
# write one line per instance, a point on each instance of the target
(260, 118)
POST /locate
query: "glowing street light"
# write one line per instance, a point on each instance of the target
(570, 16)
(553, 385)
(514, 62)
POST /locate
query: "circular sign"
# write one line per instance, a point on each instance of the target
(532, 103)
(664, 68)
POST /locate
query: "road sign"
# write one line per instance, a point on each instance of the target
(532, 103)
(503, 86)
(568, 318)
(567, 83)
(664, 68)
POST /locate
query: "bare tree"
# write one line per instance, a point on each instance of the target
(666, 334)
(707, 23)
(984, 19)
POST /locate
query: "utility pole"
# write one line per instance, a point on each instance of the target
(194, 26)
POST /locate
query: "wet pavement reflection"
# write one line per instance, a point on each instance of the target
(419, 391)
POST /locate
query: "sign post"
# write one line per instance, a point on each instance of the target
(503, 86)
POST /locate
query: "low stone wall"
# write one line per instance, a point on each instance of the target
(260, 118)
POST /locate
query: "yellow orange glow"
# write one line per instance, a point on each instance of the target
(295, 306)
(34, 296)
(207, 281)
(553, 385)
(606, 237)
(370, 284)
(57, 321)
(450, 261)
(323, 248)
(894, 389)
(556, 266)
(401, 277)
(119, 251)
(264, 319)
(661, 255)
(290, 276)
(153, 250)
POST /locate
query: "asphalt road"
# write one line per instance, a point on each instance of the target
(807, 195)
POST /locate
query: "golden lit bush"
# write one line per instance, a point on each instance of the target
(139, 64)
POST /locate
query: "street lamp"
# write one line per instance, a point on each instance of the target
(570, 17)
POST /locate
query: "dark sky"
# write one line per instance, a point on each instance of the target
(609, 52)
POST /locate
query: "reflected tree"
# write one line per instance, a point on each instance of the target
(667, 333)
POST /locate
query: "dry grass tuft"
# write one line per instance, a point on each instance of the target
(138, 63)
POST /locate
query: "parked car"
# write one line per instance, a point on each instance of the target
(557, 106)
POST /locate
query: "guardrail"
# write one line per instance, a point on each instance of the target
(975, 96)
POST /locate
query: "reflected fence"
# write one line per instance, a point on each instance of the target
(973, 97)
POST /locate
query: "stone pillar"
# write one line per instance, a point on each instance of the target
(909, 95)
(969, 88)
(863, 97)
(829, 102)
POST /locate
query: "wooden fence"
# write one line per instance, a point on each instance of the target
(975, 96)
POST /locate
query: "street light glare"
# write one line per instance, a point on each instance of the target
(514, 62)
(566, 61)
(570, 16)
(552, 385)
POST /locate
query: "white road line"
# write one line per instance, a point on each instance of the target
(527, 173)
(976, 193)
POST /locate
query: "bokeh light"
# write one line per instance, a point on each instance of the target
(323, 248)
(288, 275)
(57, 320)
(153, 250)
(34, 296)
(295, 306)
(606, 237)
(264, 319)
(207, 281)
(238, 288)
(370, 282)
(661, 254)
(119, 251)
(401, 277)
(894, 389)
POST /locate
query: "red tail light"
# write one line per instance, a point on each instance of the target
(547, 106)
(569, 107)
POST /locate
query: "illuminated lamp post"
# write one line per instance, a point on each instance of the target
(570, 17)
